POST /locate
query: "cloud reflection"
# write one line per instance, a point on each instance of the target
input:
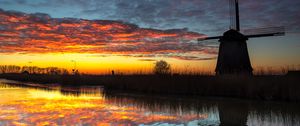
(41, 107)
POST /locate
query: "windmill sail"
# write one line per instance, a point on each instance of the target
(234, 19)
(256, 32)
(209, 38)
(233, 56)
(264, 32)
(234, 14)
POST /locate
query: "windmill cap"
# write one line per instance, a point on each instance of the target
(233, 35)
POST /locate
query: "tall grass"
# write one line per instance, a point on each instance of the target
(280, 70)
(258, 70)
(267, 84)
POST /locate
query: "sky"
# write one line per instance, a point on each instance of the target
(130, 35)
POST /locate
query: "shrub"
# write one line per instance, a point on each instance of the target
(162, 68)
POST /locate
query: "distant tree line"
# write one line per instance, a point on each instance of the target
(32, 70)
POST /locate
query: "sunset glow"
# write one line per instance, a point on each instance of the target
(131, 40)
(149, 62)
(96, 45)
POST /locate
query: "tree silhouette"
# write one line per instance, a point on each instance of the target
(162, 67)
(9, 69)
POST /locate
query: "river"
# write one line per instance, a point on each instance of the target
(38, 104)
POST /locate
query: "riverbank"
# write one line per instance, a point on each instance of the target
(279, 88)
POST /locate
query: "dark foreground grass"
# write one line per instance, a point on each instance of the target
(281, 88)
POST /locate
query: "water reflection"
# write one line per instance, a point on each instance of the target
(34, 104)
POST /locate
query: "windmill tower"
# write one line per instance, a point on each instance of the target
(233, 57)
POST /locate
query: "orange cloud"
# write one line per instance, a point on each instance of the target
(39, 33)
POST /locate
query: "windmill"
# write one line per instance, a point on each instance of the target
(233, 57)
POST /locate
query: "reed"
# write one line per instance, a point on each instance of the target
(266, 85)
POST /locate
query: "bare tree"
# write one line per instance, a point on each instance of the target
(9, 69)
(3, 68)
(13, 69)
(34, 70)
(162, 67)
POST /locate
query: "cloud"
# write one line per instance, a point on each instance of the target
(147, 60)
(193, 58)
(205, 16)
(271, 13)
(210, 17)
(40, 33)
(196, 15)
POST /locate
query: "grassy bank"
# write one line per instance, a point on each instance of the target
(257, 87)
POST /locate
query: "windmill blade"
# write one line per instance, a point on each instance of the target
(209, 38)
(265, 35)
(264, 32)
(232, 14)
(210, 42)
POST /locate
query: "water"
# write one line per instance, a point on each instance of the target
(35, 104)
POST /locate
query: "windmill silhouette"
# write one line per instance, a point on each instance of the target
(233, 57)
